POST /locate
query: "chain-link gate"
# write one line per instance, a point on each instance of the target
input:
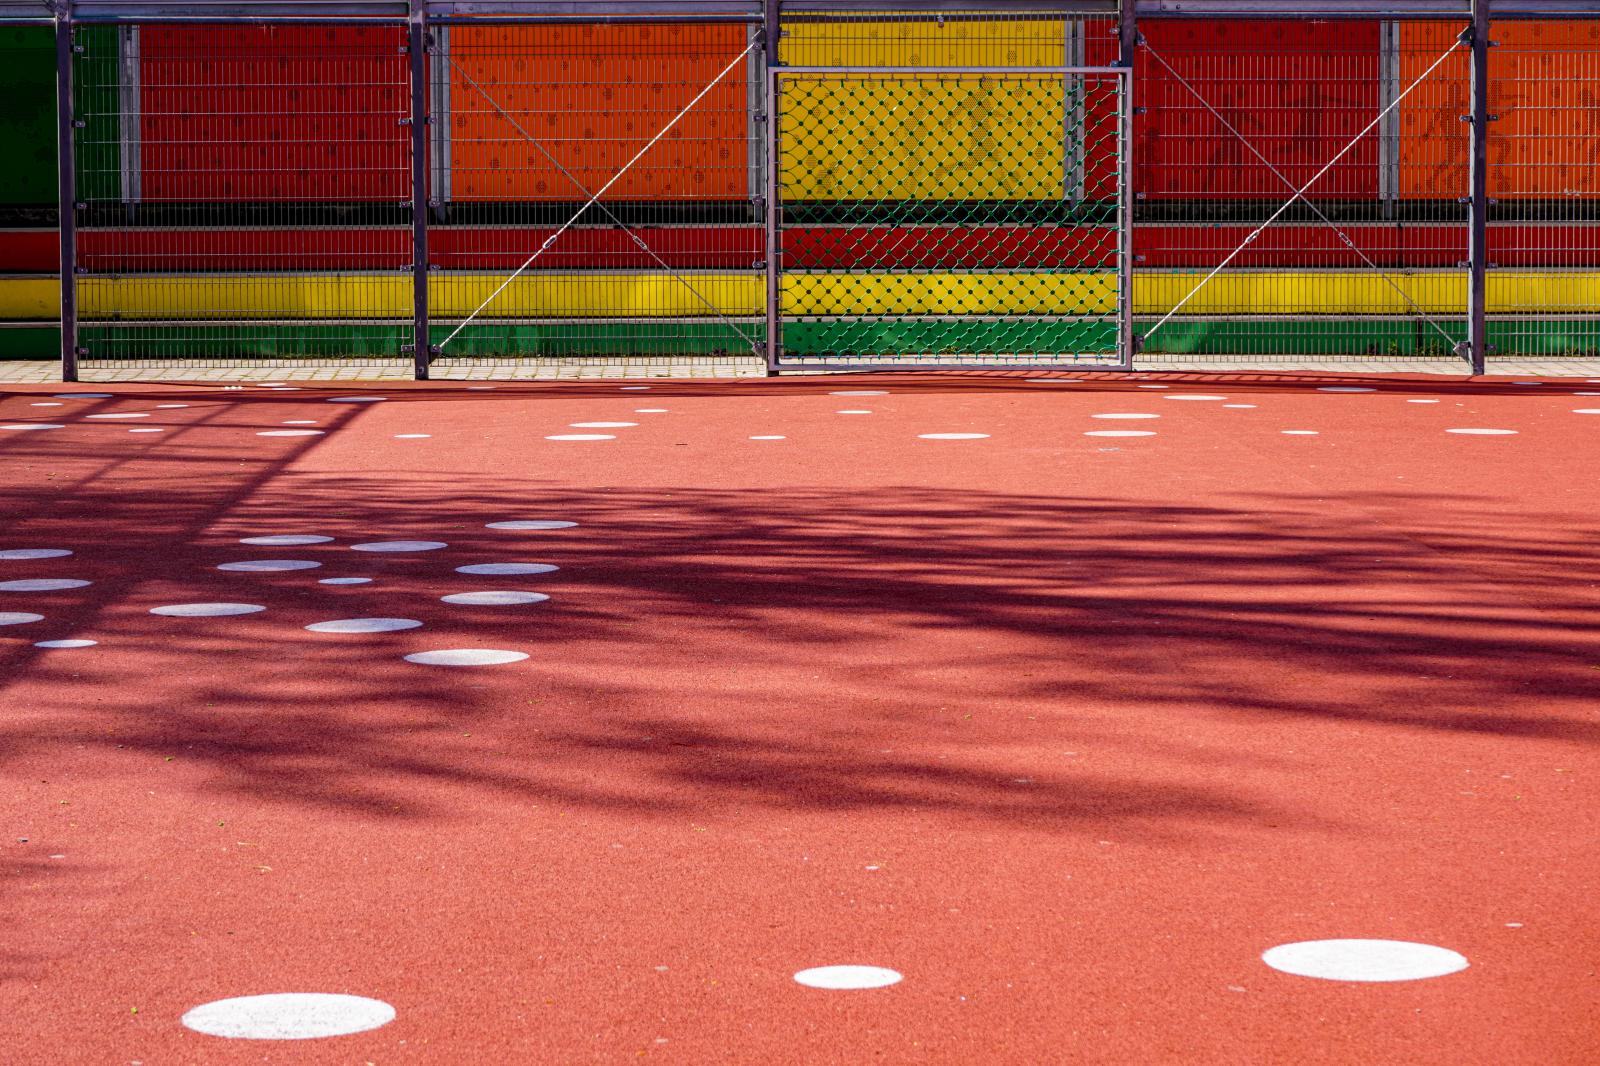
(950, 216)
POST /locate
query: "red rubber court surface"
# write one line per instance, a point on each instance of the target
(1066, 730)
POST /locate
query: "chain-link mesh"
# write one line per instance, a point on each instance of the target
(938, 217)
(243, 190)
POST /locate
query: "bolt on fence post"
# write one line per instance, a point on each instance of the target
(774, 340)
(1128, 38)
(417, 28)
(67, 189)
(1477, 321)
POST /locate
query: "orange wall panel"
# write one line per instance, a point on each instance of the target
(591, 96)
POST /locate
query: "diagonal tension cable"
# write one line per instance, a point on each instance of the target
(1301, 191)
(1348, 242)
(595, 197)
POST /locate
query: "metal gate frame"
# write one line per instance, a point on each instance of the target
(1125, 346)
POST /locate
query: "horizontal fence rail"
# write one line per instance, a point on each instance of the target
(452, 183)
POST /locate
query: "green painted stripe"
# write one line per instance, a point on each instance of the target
(890, 337)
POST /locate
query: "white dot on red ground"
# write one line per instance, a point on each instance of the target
(133, 414)
(83, 395)
(24, 426)
(499, 598)
(344, 580)
(65, 643)
(206, 610)
(1422, 401)
(952, 436)
(170, 406)
(635, 388)
(1364, 960)
(650, 410)
(1242, 406)
(581, 436)
(289, 1016)
(399, 546)
(507, 568)
(149, 430)
(1155, 386)
(364, 625)
(301, 422)
(860, 392)
(42, 584)
(34, 553)
(19, 618)
(412, 436)
(283, 540)
(466, 657)
(847, 977)
(1484, 432)
(855, 412)
(532, 523)
(769, 437)
(268, 566)
(1586, 410)
(1299, 432)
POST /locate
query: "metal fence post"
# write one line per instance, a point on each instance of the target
(1477, 322)
(67, 190)
(422, 350)
(1128, 42)
(774, 341)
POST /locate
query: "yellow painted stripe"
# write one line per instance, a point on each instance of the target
(949, 294)
(923, 42)
(626, 295)
(922, 137)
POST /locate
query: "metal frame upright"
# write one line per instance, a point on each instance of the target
(67, 190)
(420, 45)
(1478, 179)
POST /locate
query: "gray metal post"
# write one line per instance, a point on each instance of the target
(67, 190)
(1477, 323)
(422, 351)
(774, 344)
(1128, 36)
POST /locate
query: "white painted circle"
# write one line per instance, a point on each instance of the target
(1155, 386)
(952, 436)
(170, 406)
(1484, 432)
(284, 540)
(480, 388)
(769, 438)
(635, 388)
(34, 553)
(138, 414)
(1192, 396)
(602, 425)
(1364, 960)
(289, 1016)
(466, 657)
(301, 422)
(507, 568)
(343, 580)
(65, 643)
(1242, 406)
(502, 598)
(855, 412)
(1586, 410)
(650, 410)
(63, 405)
(42, 584)
(356, 399)
(581, 436)
(364, 625)
(291, 433)
(148, 430)
(1299, 432)
(1575, 394)
(1120, 433)
(268, 566)
(532, 523)
(82, 395)
(412, 436)
(19, 618)
(1422, 401)
(1125, 415)
(32, 425)
(860, 392)
(206, 610)
(1344, 388)
(399, 546)
(847, 977)
(1527, 383)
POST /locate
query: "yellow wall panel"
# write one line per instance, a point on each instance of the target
(923, 42)
(921, 137)
(949, 294)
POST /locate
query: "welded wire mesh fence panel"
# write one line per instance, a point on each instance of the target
(600, 194)
(243, 190)
(948, 216)
(1544, 181)
(1300, 189)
